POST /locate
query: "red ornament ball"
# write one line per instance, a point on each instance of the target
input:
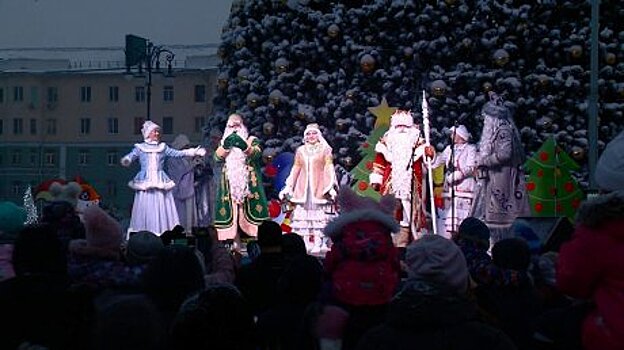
(540, 173)
(369, 165)
(576, 203)
(539, 207)
(569, 187)
(362, 185)
(530, 186)
(365, 145)
(275, 209)
(559, 208)
(543, 156)
(270, 170)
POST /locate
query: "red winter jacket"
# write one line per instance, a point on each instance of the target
(591, 266)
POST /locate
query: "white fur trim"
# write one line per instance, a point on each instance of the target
(334, 227)
(381, 147)
(147, 148)
(375, 178)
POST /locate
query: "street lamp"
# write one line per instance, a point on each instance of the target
(141, 52)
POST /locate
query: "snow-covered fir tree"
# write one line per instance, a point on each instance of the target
(286, 63)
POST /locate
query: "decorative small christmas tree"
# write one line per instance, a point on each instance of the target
(31, 209)
(551, 188)
(362, 170)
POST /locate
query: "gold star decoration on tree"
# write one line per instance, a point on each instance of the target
(382, 112)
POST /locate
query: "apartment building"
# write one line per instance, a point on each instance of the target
(62, 119)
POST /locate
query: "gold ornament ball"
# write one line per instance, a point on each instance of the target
(333, 30)
(341, 124)
(576, 51)
(578, 153)
(501, 57)
(610, 58)
(301, 116)
(222, 84)
(252, 100)
(240, 43)
(268, 128)
(544, 80)
(281, 65)
(222, 53)
(267, 158)
(450, 2)
(243, 74)
(487, 86)
(350, 94)
(275, 97)
(438, 88)
(347, 161)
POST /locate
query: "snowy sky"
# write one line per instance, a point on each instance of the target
(92, 23)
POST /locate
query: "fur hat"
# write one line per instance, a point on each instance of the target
(68, 193)
(401, 118)
(355, 208)
(142, 247)
(103, 235)
(462, 131)
(609, 173)
(474, 230)
(495, 107)
(148, 126)
(436, 259)
(180, 142)
(12, 218)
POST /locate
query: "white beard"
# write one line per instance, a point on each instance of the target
(236, 168)
(401, 145)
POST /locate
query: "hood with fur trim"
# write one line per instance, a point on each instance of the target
(354, 207)
(602, 210)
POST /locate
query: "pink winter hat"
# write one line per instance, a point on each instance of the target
(103, 234)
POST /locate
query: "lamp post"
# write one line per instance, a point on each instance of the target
(140, 52)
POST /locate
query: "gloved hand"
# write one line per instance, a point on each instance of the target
(125, 161)
(199, 151)
(376, 187)
(234, 140)
(454, 177)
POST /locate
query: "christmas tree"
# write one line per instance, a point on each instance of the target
(362, 170)
(551, 188)
(289, 63)
(31, 209)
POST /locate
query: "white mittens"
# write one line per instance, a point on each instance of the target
(454, 177)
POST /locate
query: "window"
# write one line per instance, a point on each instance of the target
(16, 188)
(51, 126)
(85, 94)
(1, 126)
(168, 93)
(16, 157)
(34, 157)
(85, 126)
(113, 125)
(50, 158)
(199, 124)
(33, 126)
(138, 124)
(111, 189)
(200, 93)
(18, 126)
(52, 94)
(111, 158)
(18, 93)
(139, 93)
(167, 127)
(113, 93)
(34, 96)
(1, 95)
(83, 158)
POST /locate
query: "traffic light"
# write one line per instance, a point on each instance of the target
(136, 50)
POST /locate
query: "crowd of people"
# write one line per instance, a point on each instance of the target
(75, 281)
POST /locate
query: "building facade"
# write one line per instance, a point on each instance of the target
(63, 123)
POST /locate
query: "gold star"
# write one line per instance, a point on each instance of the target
(383, 112)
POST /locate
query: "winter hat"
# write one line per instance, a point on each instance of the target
(12, 220)
(401, 118)
(436, 259)
(180, 142)
(67, 193)
(511, 253)
(462, 131)
(331, 322)
(103, 234)
(609, 172)
(357, 209)
(523, 230)
(495, 108)
(142, 247)
(269, 234)
(148, 126)
(474, 230)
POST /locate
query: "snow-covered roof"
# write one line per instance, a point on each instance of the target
(201, 56)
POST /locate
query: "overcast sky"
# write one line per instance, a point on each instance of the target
(92, 23)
